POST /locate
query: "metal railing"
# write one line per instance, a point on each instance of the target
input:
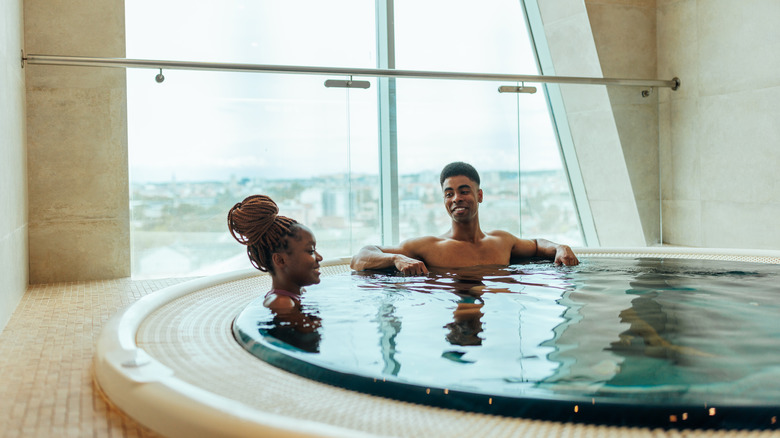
(156, 64)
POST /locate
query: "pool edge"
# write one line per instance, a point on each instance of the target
(150, 393)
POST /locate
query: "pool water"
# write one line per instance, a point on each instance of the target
(647, 341)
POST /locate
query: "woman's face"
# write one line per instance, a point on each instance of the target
(302, 261)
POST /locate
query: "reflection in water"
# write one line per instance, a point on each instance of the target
(389, 326)
(466, 325)
(295, 327)
(675, 329)
(648, 322)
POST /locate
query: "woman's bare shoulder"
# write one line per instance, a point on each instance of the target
(279, 303)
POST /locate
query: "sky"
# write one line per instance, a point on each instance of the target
(213, 125)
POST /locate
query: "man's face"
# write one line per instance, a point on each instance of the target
(462, 196)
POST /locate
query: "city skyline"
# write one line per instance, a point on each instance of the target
(178, 228)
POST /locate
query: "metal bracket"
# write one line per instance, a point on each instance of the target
(337, 83)
(516, 89)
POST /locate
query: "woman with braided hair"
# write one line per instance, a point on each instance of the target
(278, 245)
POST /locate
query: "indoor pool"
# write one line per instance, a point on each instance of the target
(627, 341)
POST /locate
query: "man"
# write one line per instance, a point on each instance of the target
(465, 244)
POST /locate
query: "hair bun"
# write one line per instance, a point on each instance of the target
(250, 219)
(255, 222)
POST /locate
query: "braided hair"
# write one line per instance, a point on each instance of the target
(255, 222)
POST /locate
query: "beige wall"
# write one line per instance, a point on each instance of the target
(625, 36)
(715, 142)
(77, 144)
(13, 162)
(721, 131)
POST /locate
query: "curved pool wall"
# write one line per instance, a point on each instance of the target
(169, 361)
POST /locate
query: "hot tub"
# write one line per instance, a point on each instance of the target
(170, 361)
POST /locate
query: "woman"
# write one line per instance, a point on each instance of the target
(278, 245)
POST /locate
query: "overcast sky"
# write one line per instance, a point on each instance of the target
(211, 125)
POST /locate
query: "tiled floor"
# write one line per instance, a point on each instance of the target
(46, 386)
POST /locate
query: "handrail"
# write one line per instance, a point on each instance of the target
(372, 72)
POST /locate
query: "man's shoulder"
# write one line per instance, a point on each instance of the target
(507, 238)
(419, 247)
(501, 234)
(423, 240)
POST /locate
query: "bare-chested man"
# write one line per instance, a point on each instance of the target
(465, 244)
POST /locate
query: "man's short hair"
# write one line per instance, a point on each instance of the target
(459, 168)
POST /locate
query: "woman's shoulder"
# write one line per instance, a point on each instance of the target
(278, 302)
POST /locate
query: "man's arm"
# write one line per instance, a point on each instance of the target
(376, 257)
(559, 254)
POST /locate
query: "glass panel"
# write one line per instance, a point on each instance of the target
(201, 141)
(303, 32)
(444, 121)
(463, 35)
(193, 155)
(350, 216)
(548, 209)
(499, 133)
(509, 138)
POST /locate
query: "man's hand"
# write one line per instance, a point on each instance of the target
(409, 266)
(565, 256)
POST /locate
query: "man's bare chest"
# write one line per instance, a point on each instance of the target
(460, 254)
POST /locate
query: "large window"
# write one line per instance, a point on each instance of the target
(202, 141)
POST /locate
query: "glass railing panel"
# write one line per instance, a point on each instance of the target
(444, 121)
(508, 137)
(548, 207)
(202, 141)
